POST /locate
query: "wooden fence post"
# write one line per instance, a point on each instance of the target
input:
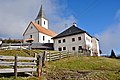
(35, 56)
(46, 55)
(15, 66)
(39, 65)
(60, 55)
(43, 58)
(68, 54)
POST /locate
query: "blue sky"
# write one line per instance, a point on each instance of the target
(94, 15)
(100, 18)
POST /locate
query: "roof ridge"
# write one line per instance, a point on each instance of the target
(70, 31)
(44, 30)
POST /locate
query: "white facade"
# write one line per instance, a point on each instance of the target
(85, 43)
(69, 44)
(43, 38)
(42, 22)
(32, 32)
(95, 46)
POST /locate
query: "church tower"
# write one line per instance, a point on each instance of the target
(41, 19)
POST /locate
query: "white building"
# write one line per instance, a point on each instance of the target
(73, 39)
(38, 31)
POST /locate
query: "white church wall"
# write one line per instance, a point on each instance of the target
(47, 39)
(44, 23)
(31, 32)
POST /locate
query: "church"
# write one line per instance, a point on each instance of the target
(38, 31)
(72, 39)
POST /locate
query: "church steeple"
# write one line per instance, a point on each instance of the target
(41, 18)
(41, 13)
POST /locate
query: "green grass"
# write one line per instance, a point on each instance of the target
(20, 52)
(19, 78)
(95, 68)
(99, 67)
(87, 63)
(24, 52)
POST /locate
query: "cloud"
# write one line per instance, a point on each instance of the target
(110, 38)
(15, 15)
(60, 24)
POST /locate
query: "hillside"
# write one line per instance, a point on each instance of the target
(20, 52)
(85, 68)
(73, 68)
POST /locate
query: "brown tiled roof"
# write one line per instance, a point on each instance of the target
(44, 30)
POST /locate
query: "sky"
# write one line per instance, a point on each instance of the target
(100, 18)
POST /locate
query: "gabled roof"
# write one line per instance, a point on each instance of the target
(42, 30)
(71, 31)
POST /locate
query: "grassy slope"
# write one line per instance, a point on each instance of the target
(20, 52)
(100, 67)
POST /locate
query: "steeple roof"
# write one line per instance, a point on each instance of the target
(41, 13)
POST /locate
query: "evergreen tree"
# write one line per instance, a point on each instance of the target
(112, 54)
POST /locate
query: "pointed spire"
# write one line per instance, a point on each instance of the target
(41, 13)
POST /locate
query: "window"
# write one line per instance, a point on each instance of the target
(79, 38)
(48, 41)
(30, 36)
(59, 41)
(43, 38)
(80, 48)
(63, 40)
(73, 39)
(44, 22)
(73, 48)
(64, 48)
(59, 49)
(38, 22)
(31, 27)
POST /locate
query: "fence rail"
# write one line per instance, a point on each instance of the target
(15, 61)
(57, 56)
(19, 58)
(32, 64)
(15, 64)
(9, 70)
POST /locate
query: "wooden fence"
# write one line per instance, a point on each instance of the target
(60, 55)
(57, 56)
(17, 64)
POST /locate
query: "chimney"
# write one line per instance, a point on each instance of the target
(75, 24)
